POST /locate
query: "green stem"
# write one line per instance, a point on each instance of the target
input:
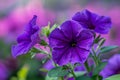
(72, 72)
(87, 66)
(95, 57)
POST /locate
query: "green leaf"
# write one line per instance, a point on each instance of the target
(83, 78)
(114, 77)
(99, 68)
(107, 49)
(57, 72)
(78, 73)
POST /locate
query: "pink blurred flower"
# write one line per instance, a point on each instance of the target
(14, 23)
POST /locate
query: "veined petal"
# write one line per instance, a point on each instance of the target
(29, 27)
(57, 38)
(35, 38)
(23, 37)
(71, 29)
(85, 39)
(104, 24)
(61, 56)
(79, 55)
(21, 48)
(85, 18)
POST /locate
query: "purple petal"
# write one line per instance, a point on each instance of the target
(104, 24)
(65, 55)
(21, 48)
(112, 67)
(114, 62)
(23, 37)
(35, 38)
(48, 65)
(71, 78)
(29, 27)
(81, 17)
(85, 39)
(61, 56)
(71, 29)
(92, 21)
(57, 38)
(79, 55)
(85, 18)
(33, 21)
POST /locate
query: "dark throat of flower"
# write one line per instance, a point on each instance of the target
(91, 26)
(73, 43)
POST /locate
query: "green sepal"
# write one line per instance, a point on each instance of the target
(43, 43)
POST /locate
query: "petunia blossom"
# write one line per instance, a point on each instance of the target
(70, 43)
(92, 21)
(112, 67)
(28, 39)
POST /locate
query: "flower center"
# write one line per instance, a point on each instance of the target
(92, 27)
(73, 43)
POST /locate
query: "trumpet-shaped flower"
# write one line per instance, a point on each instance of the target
(92, 21)
(28, 39)
(70, 43)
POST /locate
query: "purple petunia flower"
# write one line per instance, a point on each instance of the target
(28, 39)
(70, 43)
(92, 21)
(112, 68)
